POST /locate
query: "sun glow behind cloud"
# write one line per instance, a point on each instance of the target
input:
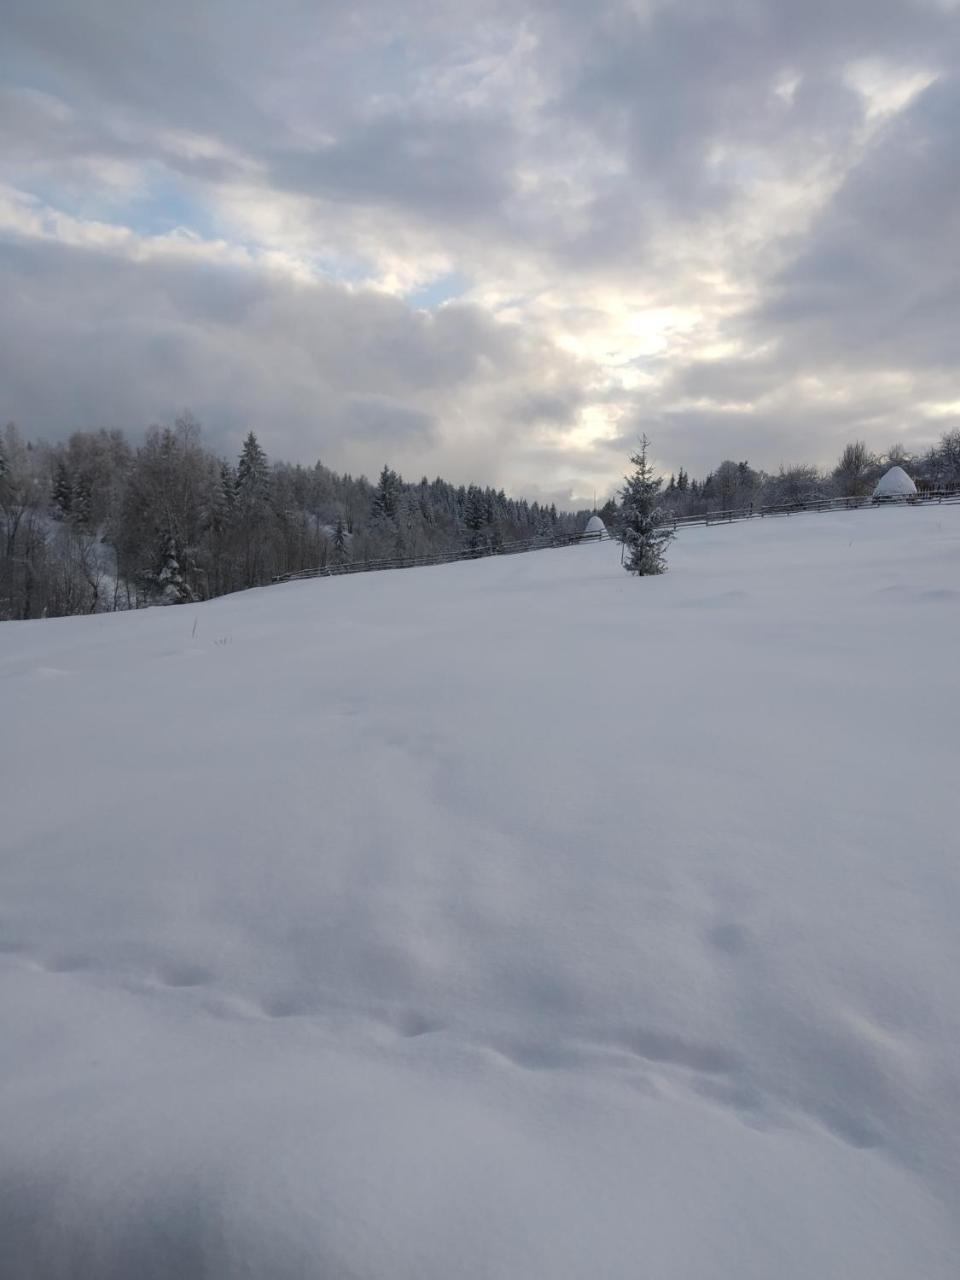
(531, 234)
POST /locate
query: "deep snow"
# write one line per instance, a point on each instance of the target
(514, 918)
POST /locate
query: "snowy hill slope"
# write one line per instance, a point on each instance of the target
(509, 919)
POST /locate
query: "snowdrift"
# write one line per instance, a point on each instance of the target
(510, 919)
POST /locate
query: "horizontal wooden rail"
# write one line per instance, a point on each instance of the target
(542, 543)
(545, 542)
(732, 515)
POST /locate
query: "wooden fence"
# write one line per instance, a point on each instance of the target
(751, 512)
(543, 543)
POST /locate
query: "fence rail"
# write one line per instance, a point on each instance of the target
(751, 512)
(544, 543)
(334, 569)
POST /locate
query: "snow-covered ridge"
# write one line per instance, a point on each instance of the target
(509, 918)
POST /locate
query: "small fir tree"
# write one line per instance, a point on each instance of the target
(340, 541)
(644, 539)
(170, 582)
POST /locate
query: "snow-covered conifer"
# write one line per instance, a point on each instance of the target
(474, 517)
(62, 491)
(223, 499)
(340, 541)
(170, 581)
(253, 476)
(81, 501)
(386, 497)
(645, 539)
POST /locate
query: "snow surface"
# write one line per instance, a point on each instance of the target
(894, 483)
(516, 918)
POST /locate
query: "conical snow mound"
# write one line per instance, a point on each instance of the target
(894, 484)
(595, 528)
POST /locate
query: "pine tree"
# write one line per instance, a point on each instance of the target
(340, 541)
(219, 526)
(386, 497)
(645, 541)
(62, 491)
(170, 581)
(253, 476)
(81, 506)
(474, 517)
(223, 501)
(253, 510)
(610, 514)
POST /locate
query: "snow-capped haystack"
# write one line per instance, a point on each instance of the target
(894, 483)
(595, 528)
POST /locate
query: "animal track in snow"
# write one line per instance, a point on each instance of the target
(287, 1006)
(72, 962)
(657, 1046)
(185, 975)
(411, 1024)
(732, 939)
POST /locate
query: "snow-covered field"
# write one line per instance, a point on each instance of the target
(509, 919)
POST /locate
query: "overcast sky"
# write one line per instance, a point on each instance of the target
(492, 241)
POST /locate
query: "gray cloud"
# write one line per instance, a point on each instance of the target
(383, 421)
(453, 166)
(720, 222)
(878, 277)
(318, 368)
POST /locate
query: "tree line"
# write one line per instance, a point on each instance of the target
(97, 524)
(737, 485)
